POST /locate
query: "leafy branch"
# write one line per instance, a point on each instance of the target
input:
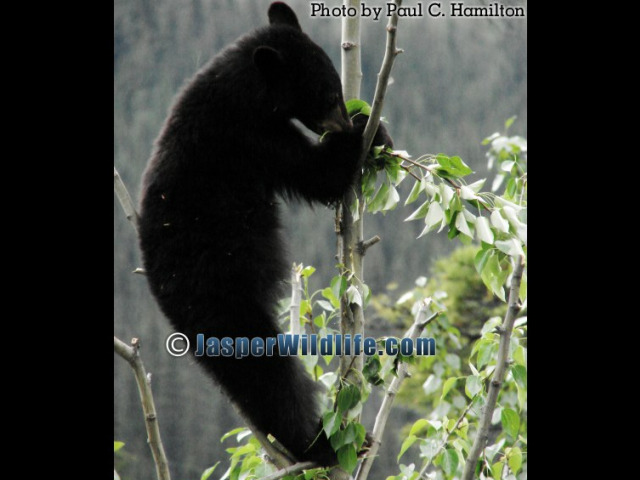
(497, 222)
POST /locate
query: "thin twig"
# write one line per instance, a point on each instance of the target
(406, 169)
(381, 86)
(446, 439)
(131, 355)
(296, 294)
(364, 246)
(277, 453)
(413, 162)
(295, 468)
(385, 409)
(125, 199)
(499, 373)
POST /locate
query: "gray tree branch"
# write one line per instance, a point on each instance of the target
(131, 355)
(385, 409)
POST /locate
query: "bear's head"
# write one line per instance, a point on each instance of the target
(299, 75)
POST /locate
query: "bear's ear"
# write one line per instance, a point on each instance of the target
(269, 62)
(281, 13)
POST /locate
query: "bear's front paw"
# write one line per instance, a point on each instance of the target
(382, 137)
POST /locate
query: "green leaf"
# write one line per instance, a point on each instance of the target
(447, 194)
(395, 173)
(510, 211)
(510, 189)
(491, 324)
(467, 194)
(484, 354)
(325, 306)
(522, 396)
(490, 138)
(353, 295)
(490, 452)
(519, 356)
(305, 307)
(462, 226)
(453, 232)
(506, 166)
(379, 199)
(308, 271)
(419, 213)
(514, 459)
(473, 385)
(348, 397)
(510, 422)
(207, 473)
(338, 287)
(348, 458)
(456, 166)
(410, 440)
(498, 222)
(429, 447)
(328, 379)
(329, 295)
(496, 470)
(369, 183)
(450, 461)
(511, 247)
(355, 106)
(337, 440)
(330, 423)
(232, 433)
(519, 373)
(481, 258)
(372, 367)
(361, 435)
(494, 277)
(415, 192)
(117, 446)
(434, 216)
(483, 230)
(448, 385)
(244, 450)
(393, 197)
(477, 185)
(418, 426)
(350, 433)
(509, 122)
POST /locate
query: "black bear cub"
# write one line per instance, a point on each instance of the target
(209, 227)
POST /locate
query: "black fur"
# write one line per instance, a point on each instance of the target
(209, 227)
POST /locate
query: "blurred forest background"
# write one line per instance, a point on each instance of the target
(457, 81)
